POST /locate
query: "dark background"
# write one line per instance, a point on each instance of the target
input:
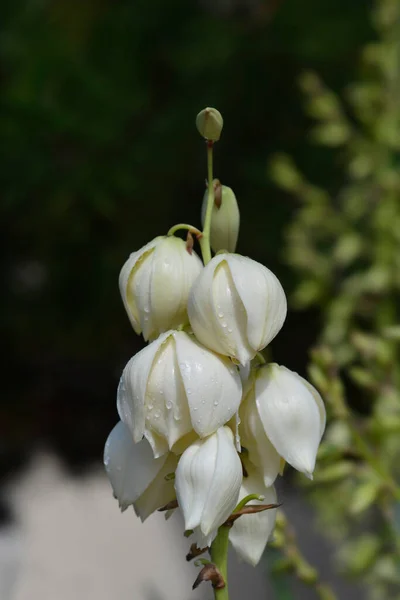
(99, 154)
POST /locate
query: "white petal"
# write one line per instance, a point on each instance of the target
(132, 388)
(224, 490)
(167, 411)
(232, 314)
(212, 384)
(319, 401)
(158, 444)
(262, 296)
(201, 540)
(236, 306)
(173, 272)
(253, 437)
(208, 480)
(126, 278)
(159, 492)
(192, 480)
(202, 313)
(290, 416)
(250, 533)
(130, 467)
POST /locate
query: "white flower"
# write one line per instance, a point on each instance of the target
(154, 284)
(208, 480)
(174, 386)
(225, 219)
(250, 533)
(236, 306)
(136, 476)
(290, 412)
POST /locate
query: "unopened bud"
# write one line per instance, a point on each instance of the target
(209, 123)
(225, 219)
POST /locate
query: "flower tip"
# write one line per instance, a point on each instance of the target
(209, 123)
(309, 475)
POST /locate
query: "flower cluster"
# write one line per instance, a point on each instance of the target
(203, 422)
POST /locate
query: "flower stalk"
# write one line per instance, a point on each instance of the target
(219, 556)
(205, 238)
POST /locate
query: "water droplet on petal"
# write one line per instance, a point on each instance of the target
(216, 402)
(224, 325)
(168, 405)
(220, 314)
(229, 330)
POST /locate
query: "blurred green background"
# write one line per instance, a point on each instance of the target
(99, 154)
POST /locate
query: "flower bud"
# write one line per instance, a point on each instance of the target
(292, 415)
(208, 480)
(174, 386)
(154, 284)
(225, 219)
(250, 533)
(209, 123)
(236, 306)
(135, 475)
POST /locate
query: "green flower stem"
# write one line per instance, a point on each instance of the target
(184, 226)
(205, 238)
(219, 556)
(248, 499)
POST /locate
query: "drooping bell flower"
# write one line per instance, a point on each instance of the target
(236, 306)
(176, 386)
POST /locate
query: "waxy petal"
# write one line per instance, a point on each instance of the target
(212, 384)
(290, 415)
(126, 285)
(208, 480)
(253, 437)
(250, 533)
(173, 271)
(159, 492)
(132, 388)
(236, 306)
(130, 467)
(154, 284)
(264, 300)
(167, 411)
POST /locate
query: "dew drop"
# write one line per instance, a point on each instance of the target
(220, 314)
(216, 402)
(149, 407)
(195, 408)
(168, 405)
(189, 391)
(224, 325)
(157, 414)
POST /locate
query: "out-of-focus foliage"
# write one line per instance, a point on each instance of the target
(344, 245)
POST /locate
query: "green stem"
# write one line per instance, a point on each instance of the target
(219, 556)
(184, 226)
(205, 239)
